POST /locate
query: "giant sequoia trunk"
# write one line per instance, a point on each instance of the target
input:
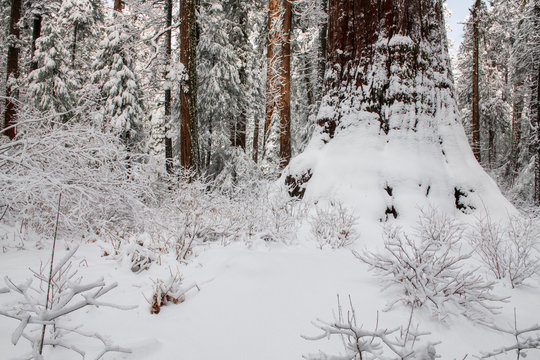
(389, 139)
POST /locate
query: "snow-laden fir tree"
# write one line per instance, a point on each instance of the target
(307, 78)
(494, 49)
(120, 98)
(389, 138)
(54, 84)
(226, 88)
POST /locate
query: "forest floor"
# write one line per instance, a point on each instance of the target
(251, 302)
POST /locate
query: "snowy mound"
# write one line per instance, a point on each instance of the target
(392, 176)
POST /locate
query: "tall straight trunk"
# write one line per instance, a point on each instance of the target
(189, 138)
(537, 107)
(516, 129)
(272, 92)
(475, 87)
(255, 154)
(238, 130)
(323, 34)
(491, 144)
(74, 44)
(285, 108)
(167, 104)
(10, 114)
(36, 33)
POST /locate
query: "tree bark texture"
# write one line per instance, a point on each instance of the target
(118, 5)
(377, 52)
(285, 108)
(189, 141)
(167, 95)
(255, 154)
(10, 114)
(475, 85)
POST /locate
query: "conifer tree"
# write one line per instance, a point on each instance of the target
(120, 104)
(10, 112)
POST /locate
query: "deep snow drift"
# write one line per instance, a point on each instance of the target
(254, 303)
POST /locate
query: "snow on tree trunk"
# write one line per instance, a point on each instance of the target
(189, 142)
(390, 140)
(167, 90)
(475, 84)
(272, 64)
(10, 113)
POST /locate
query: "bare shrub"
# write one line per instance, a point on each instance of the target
(139, 257)
(333, 226)
(508, 250)
(398, 343)
(429, 268)
(524, 339)
(169, 291)
(102, 184)
(39, 310)
(280, 217)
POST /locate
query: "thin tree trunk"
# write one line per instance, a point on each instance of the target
(475, 87)
(36, 33)
(285, 108)
(491, 144)
(537, 172)
(516, 129)
(10, 114)
(271, 66)
(189, 142)
(255, 155)
(323, 34)
(74, 45)
(167, 104)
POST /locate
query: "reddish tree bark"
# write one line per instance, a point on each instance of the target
(354, 29)
(285, 116)
(10, 114)
(118, 5)
(189, 143)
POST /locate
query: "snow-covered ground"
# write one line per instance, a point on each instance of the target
(253, 302)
